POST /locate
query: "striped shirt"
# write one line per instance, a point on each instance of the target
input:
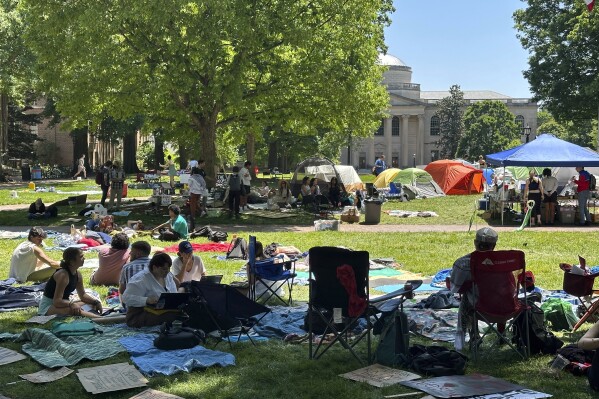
(132, 268)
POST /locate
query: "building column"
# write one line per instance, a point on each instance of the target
(387, 130)
(420, 146)
(405, 158)
(370, 152)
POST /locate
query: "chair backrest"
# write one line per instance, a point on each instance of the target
(226, 300)
(325, 288)
(577, 284)
(495, 279)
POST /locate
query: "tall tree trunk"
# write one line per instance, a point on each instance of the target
(158, 152)
(182, 155)
(3, 127)
(207, 135)
(130, 153)
(273, 154)
(250, 149)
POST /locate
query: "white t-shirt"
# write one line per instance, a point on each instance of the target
(246, 177)
(197, 269)
(23, 261)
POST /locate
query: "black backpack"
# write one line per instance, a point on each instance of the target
(436, 361)
(235, 182)
(238, 249)
(541, 340)
(218, 236)
(592, 182)
(183, 338)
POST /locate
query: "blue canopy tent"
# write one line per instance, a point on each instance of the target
(545, 150)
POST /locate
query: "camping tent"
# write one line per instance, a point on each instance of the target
(386, 177)
(418, 183)
(324, 169)
(455, 178)
(545, 150)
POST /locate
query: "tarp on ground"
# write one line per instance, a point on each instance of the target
(418, 183)
(386, 177)
(545, 150)
(455, 178)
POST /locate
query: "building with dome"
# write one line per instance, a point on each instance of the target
(408, 136)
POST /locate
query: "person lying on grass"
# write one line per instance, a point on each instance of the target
(67, 279)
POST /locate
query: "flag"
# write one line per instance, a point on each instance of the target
(590, 4)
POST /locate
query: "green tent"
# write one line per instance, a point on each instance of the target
(418, 183)
(411, 176)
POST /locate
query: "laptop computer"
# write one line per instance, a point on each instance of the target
(172, 300)
(215, 279)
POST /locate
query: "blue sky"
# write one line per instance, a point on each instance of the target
(471, 43)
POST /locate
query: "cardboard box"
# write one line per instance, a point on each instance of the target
(567, 216)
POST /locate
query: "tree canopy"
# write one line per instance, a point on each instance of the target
(561, 37)
(196, 68)
(489, 127)
(451, 118)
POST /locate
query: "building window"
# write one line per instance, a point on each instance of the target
(434, 155)
(435, 126)
(395, 126)
(519, 121)
(395, 161)
(362, 161)
(381, 130)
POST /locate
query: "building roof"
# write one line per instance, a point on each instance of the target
(468, 95)
(390, 60)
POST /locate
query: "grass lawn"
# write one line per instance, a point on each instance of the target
(278, 370)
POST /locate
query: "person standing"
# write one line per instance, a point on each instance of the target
(171, 170)
(117, 180)
(105, 184)
(81, 167)
(234, 192)
(550, 189)
(583, 184)
(197, 190)
(29, 262)
(533, 191)
(246, 184)
(379, 165)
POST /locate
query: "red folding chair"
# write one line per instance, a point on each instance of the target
(495, 280)
(581, 286)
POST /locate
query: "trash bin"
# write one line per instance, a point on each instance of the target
(36, 172)
(25, 172)
(373, 211)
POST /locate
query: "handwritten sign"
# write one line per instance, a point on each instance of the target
(113, 377)
(44, 376)
(9, 356)
(380, 376)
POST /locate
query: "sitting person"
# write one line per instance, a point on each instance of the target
(264, 190)
(111, 261)
(305, 191)
(29, 262)
(144, 290)
(283, 195)
(335, 193)
(37, 210)
(314, 187)
(590, 342)
(139, 256)
(175, 228)
(56, 298)
(188, 266)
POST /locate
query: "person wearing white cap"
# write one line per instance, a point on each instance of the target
(29, 262)
(485, 240)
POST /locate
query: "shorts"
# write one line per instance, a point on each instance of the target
(44, 305)
(245, 190)
(551, 198)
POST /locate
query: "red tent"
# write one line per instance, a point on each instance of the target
(455, 178)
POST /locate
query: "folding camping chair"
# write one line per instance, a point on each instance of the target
(222, 311)
(339, 298)
(270, 274)
(581, 286)
(495, 279)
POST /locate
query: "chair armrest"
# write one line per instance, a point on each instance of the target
(401, 292)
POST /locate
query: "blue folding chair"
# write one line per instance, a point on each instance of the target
(272, 274)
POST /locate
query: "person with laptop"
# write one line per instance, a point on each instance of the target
(187, 266)
(144, 291)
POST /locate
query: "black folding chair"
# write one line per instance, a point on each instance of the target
(339, 298)
(272, 274)
(222, 311)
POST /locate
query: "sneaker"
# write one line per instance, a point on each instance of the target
(587, 223)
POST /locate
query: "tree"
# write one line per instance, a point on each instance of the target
(489, 127)
(451, 116)
(561, 37)
(21, 140)
(196, 68)
(577, 132)
(15, 73)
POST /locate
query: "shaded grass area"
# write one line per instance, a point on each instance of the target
(275, 369)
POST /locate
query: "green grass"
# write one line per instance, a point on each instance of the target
(275, 369)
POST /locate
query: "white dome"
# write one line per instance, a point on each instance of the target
(390, 60)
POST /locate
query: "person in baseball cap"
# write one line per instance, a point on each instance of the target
(486, 235)
(29, 262)
(187, 266)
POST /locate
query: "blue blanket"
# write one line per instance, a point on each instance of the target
(152, 361)
(282, 321)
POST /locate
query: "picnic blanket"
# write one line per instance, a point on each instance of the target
(438, 325)
(411, 214)
(51, 351)
(19, 297)
(282, 320)
(152, 361)
(206, 247)
(270, 214)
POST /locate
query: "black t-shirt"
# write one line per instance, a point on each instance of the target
(50, 288)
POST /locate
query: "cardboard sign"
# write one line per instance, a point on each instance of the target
(109, 378)
(48, 375)
(153, 394)
(9, 356)
(380, 376)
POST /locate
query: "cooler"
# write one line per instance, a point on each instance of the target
(483, 204)
(567, 215)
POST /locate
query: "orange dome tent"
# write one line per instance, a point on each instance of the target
(455, 178)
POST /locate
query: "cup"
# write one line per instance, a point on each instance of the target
(558, 364)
